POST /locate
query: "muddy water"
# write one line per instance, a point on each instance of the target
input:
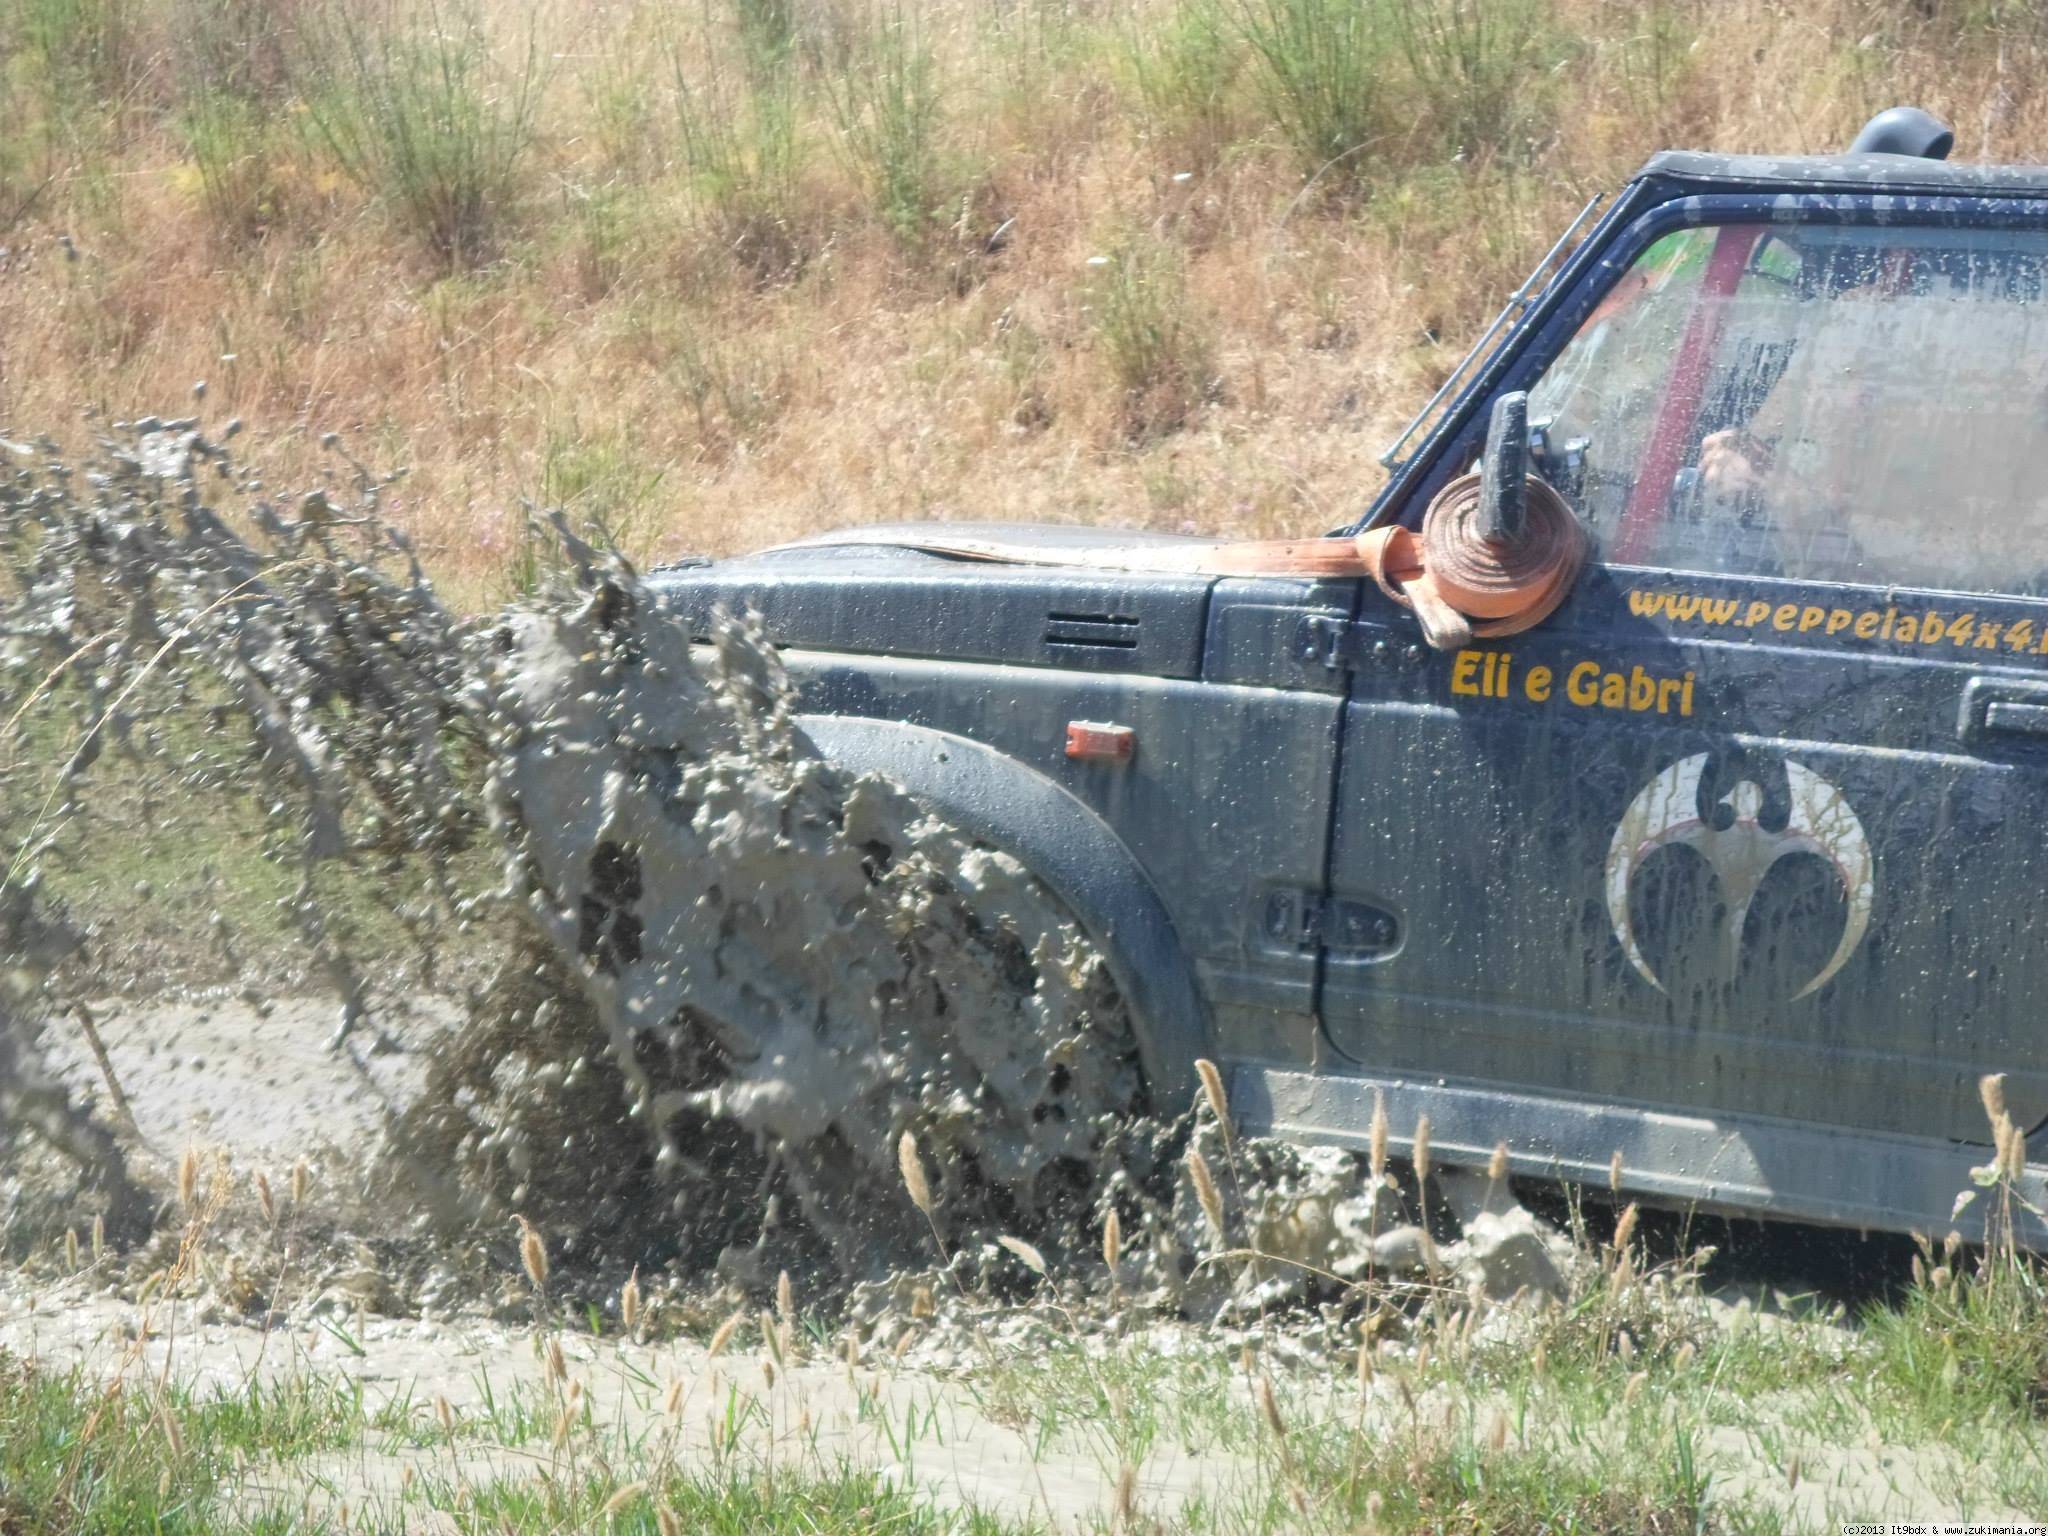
(730, 976)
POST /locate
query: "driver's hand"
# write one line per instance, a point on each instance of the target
(1729, 465)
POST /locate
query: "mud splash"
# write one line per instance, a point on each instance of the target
(733, 976)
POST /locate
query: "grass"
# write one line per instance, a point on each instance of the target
(1158, 347)
(76, 1458)
(886, 103)
(1322, 72)
(414, 107)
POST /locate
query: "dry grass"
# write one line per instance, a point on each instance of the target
(765, 267)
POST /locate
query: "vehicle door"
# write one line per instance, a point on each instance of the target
(1752, 826)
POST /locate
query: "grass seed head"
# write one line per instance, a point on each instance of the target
(533, 1253)
(785, 1297)
(1029, 1256)
(1205, 1189)
(445, 1414)
(911, 1166)
(1497, 1166)
(188, 1177)
(618, 1502)
(1112, 1241)
(1614, 1173)
(2016, 1155)
(99, 1238)
(1991, 1089)
(1219, 1103)
(723, 1336)
(557, 1368)
(264, 1199)
(1625, 1229)
(2001, 1140)
(629, 1301)
(302, 1178)
(71, 1249)
(1422, 1150)
(1634, 1389)
(667, 1522)
(1496, 1431)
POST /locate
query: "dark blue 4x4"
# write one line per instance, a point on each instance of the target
(1729, 865)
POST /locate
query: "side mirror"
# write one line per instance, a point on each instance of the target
(1504, 473)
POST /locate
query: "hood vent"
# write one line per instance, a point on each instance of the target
(1091, 631)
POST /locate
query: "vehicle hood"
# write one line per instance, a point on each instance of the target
(907, 590)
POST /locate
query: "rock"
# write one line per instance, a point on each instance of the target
(1469, 1193)
(1403, 1251)
(1510, 1251)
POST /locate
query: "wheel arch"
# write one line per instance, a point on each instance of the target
(1008, 805)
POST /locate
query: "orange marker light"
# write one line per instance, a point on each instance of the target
(1101, 743)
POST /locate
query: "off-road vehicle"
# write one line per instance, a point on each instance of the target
(1672, 784)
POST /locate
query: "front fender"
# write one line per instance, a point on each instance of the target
(1001, 802)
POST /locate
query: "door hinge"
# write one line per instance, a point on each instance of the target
(1336, 644)
(1347, 927)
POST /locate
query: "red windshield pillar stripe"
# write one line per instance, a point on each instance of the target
(1679, 414)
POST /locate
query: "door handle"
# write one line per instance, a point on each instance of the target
(2009, 717)
(1998, 710)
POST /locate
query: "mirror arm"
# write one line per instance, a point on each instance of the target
(1503, 492)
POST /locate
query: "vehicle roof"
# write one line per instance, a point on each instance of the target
(1858, 173)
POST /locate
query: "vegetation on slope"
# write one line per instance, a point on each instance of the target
(716, 272)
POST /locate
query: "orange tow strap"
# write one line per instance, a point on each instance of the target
(1459, 583)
